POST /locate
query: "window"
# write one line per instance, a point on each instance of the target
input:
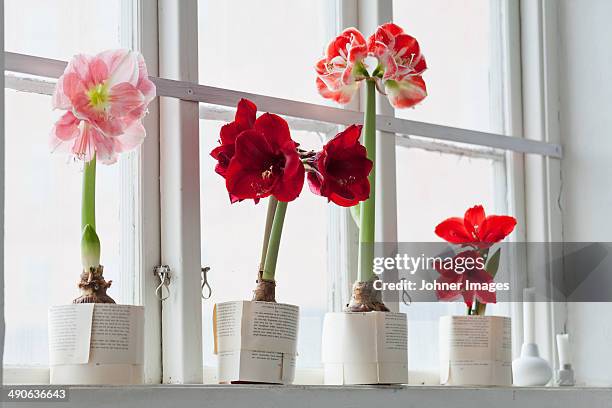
(461, 77)
(62, 28)
(43, 190)
(449, 153)
(231, 246)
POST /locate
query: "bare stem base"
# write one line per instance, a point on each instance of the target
(366, 299)
(93, 287)
(265, 290)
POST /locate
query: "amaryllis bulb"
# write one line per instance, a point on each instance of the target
(90, 248)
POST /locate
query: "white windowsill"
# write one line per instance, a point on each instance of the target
(252, 396)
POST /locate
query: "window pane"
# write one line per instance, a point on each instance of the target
(265, 46)
(42, 225)
(431, 187)
(457, 38)
(231, 246)
(61, 28)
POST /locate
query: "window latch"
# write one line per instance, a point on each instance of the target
(163, 273)
(206, 290)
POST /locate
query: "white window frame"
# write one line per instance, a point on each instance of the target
(140, 180)
(169, 231)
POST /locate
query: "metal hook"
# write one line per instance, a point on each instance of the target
(163, 273)
(406, 295)
(205, 285)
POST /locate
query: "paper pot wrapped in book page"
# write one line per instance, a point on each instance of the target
(376, 354)
(474, 349)
(398, 75)
(105, 98)
(96, 343)
(256, 341)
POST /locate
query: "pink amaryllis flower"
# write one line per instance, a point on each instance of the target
(105, 97)
(339, 71)
(400, 65)
(465, 270)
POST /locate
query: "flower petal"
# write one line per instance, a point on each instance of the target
(495, 228)
(131, 137)
(407, 92)
(123, 66)
(453, 230)
(67, 127)
(275, 128)
(473, 219)
(245, 114)
(124, 98)
(342, 96)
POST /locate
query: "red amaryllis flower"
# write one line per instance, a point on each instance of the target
(466, 268)
(475, 228)
(265, 162)
(244, 119)
(401, 65)
(340, 171)
(342, 66)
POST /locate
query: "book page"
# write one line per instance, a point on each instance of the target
(392, 330)
(270, 327)
(227, 326)
(117, 334)
(468, 350)
(69, 333)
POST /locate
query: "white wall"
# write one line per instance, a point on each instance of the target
(585, 67)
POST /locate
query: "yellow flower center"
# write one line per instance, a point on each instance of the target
(98, 96)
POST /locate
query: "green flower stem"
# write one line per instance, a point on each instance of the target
(90, 243)
(272, 203)
(88, 203)
(367, 208)
(274, 242)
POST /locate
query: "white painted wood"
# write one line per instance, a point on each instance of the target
(2, 326)
(251, 396)
(180, 195)
(148, 227)
(542, 174)
(512, 115)
(191, 91)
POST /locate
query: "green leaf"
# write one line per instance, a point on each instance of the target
(356, 214)
(90, 248)
(493, 263)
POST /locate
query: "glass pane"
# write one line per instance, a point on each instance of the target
(42, 226)
(457, 38)
(61, 28)
(231, 246)
(431, 187)
(274, 50)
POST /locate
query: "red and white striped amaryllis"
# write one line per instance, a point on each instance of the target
(397, 74)
(400, 65)
(341, 69)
